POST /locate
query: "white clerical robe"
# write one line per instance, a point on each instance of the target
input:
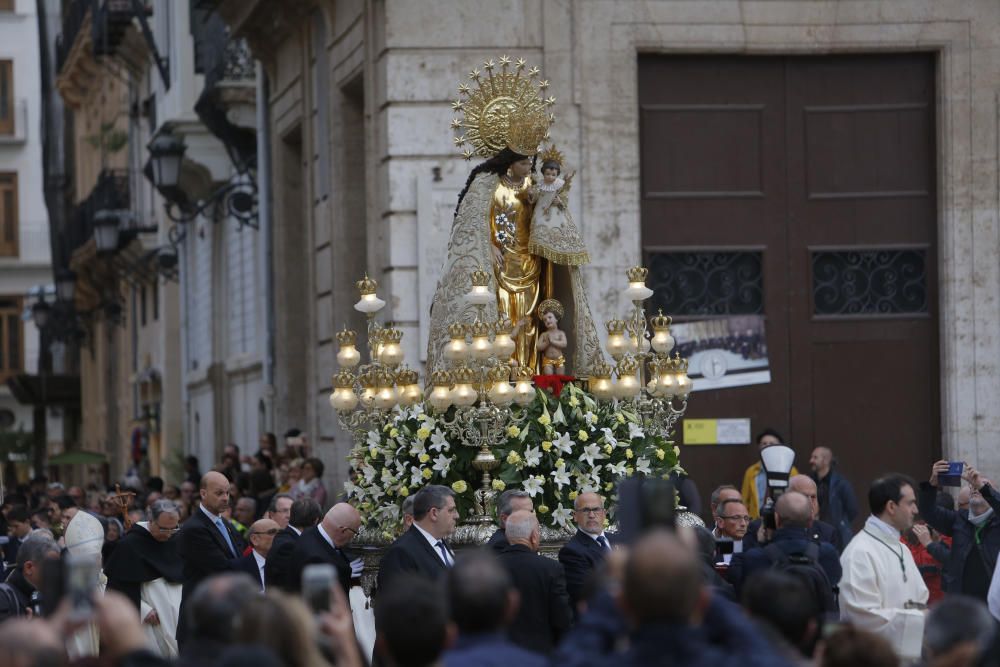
(165, 598)
(993, 597)
(879, 579)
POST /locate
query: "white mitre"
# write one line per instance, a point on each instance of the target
(84, 535)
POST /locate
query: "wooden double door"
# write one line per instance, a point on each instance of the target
(802, 189)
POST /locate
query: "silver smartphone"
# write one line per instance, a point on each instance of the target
(317, 580)
(82, 573)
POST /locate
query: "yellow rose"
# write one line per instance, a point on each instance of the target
(572, 495)
(546, 446)
(513, 431)
(544, 420)
(403, 491)
(629, 470)
(427, 473)
(460, 486)
(628, 453)
(660, 454)
(608, 449)
(609, 486)
(582, 436)
(560, 462)
(513, 458)
(424, 458)
(543, 509)
(620, 417)
(387, 427)
(499, 485)
(423, 433)
(387, 535)
(393, 433)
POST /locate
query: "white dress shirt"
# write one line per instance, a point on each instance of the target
(433, 542)
(260, 568)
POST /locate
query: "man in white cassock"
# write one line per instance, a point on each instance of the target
(881, 590)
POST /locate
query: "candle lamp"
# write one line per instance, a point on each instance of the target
(348, 355)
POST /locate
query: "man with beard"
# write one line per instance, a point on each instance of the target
(146, 568)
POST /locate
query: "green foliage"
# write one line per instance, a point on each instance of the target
(566, 446)
(109, 139)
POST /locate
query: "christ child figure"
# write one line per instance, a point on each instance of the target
(552, 341)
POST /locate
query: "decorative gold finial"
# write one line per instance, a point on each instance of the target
(660, 321)
(637, 274)
(480, 278)
(391, 335)
(344, 380)
(550, 154)
(367, 286)
(615, 326)
(463, 375)
(456, 330)
(441, 378)
(346, 337)
(480, 329)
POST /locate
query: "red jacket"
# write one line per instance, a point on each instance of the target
(929, 566)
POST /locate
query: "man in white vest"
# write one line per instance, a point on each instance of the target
(881, 590)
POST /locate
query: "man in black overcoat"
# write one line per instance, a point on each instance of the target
(422, 550)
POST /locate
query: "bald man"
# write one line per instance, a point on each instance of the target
(838, 505)
(819, 531)
(207, 544)
(792, 545)
(261, 535)
(327, 543)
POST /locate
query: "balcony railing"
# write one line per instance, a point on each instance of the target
(109, 21)
(111, 192)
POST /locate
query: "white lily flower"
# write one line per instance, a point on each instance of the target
(591, 453)
(590, 418)
(561, 515)
(564, 444)
(532, 486)
(532, 457)
(642, 465)
(609, 437)
(368, 470)
(617, 469)
(560, 476)
(416, 476)
(439, 442)
(387, 477)
(442, 463)
(635, 431)
(417, 448)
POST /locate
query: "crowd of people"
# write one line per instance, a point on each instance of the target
(249, 563)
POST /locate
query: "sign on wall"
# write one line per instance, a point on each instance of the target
(724, 352)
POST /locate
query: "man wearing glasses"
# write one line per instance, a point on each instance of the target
(146, 568)
(327, 543)
(261, 535)
(731, 521)
(587, 550)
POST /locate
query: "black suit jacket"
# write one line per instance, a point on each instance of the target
(411, 553)
(278, 567)
(579, 557)
(248, 564)
(498, 541)
(204, 553)
(545, 614)
(312, 548)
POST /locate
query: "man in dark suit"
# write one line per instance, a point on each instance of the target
(325, 543)
(18, 528)
(587, 550)
(261, 535)
(820, 532)
(206, 542)
(422, 549)
(482, 601)
(511, 500)
(545, 614)
(305, 513)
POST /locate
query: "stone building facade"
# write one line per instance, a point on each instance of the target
(364, 173)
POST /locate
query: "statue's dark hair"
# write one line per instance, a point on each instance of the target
(552, 164)
(498, 164)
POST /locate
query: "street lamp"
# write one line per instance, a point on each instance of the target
(65, 285)
(167, 152)
(106, 228)
(40, 312)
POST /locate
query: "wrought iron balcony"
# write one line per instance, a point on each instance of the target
(111, 192)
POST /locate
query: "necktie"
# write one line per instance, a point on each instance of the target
(225, 534)
(444, 552)
(603, 542)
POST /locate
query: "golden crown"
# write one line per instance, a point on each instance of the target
(550, 154)
(600, 371)
(343, 380)
(368, 379)
(503, 325)
(385, 378)
(627, 366)
(637, 274)
(615, 326)
(456, 330)
(480, 329)
(504, 110)
(464, 375)
(660, 322)
(366, 285)
(441, 378)
(480, 278)
(391, 335)
(346, 337)
(551, 306)
(407, 376)
(673, 364)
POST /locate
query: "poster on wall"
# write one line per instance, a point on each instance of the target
(724, 352)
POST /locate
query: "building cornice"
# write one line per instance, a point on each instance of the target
(265, 24)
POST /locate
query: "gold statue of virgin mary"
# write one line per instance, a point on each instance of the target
(505, 121)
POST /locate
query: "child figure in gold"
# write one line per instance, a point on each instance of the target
(552, 342)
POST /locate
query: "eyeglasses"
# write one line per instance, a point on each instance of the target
(590, 510)
(167, 530)
(271, 531)
(350, 529)
(734, 517)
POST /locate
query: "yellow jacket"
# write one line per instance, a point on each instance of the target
(749, 489)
